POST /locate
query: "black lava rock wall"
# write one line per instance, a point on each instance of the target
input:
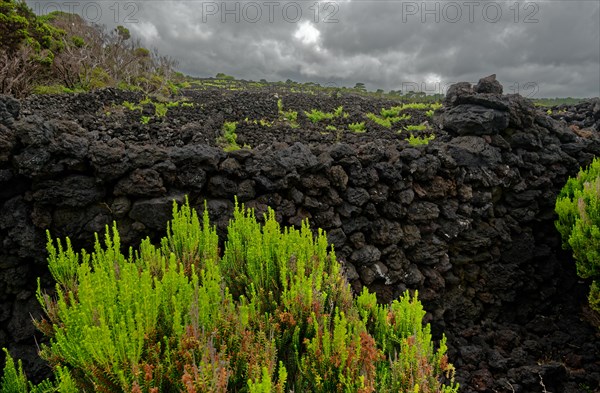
(466, 220)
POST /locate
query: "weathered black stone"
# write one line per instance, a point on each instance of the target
(467, 220)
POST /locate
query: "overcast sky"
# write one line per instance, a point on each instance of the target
(536, 48)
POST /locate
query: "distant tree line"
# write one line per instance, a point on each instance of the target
(61, 52)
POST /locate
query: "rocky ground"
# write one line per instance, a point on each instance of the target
(519, 326)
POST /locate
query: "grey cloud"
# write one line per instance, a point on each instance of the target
(384, 44)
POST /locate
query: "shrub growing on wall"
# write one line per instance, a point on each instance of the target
(578, 208)
(270, 313)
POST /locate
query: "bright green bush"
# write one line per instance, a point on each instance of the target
(316, 115)
(420, 141)
(388, 117)
(15, 381)
(271, 313)
(578, 209)
(357, 127)
(382, 121)
(229, 138)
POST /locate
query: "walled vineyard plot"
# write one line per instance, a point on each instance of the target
(466, 219)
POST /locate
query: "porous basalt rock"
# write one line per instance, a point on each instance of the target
(466, 220)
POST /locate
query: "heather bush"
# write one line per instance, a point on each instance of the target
(578, 209)
(270, 313)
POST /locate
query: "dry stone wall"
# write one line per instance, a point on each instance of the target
(466, 220)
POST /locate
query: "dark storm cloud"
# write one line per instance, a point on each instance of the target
(541, 48)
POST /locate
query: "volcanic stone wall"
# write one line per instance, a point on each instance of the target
(467, 220)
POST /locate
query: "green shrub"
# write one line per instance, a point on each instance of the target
(15, 381)
(415, 106)
(420, 141)
(357, 127)
(99, 79)
(578, 209)
(391, 112)
(382, 121)
(131, 106)
(223, 76)
(316, 116)
(126, 86)
(229, 138)
(290, 117)
(272, 314)
(160, 109)
(52, 89)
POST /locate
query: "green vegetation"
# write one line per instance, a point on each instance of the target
(389, 116)
(331, 128)
(271, 313)
(14, 380)
(316, 116)
(160, 109)
(61, 53)
(290, 117)
(229, 138)
(310, 88)
(388, 120)
(357, 127)
(131, 106)
(223, 76)
(420, 141)
(55, 89)
(382, 121)
(578, 209)
(265, 123)
(261, 122)
(415, 127)
(557, 101)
